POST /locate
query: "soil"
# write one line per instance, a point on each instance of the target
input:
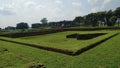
(85, 36)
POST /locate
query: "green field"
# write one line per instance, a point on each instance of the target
(9, 59)
(59, 40)
(106, 55)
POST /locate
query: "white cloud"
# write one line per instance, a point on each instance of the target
(93, 10)
(34, 5)
(32, 11)
(76, 4)
(7, 6)
(92, 1)
(58, 1)
(6, 12)
(99, 4)
(40, 6)
(7, 9)
(30, 4)
(106, 2)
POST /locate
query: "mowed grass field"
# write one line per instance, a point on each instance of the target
(10, 60)
(106, 55)
(59, 40)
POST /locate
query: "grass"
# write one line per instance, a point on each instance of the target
(10, 60)
(59, 40)
(106, 55)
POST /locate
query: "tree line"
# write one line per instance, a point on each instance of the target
(108, 18)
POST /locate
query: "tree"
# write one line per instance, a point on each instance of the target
(101, 15)
(91, 19)
(36, 25)
(117, 12)
(44, 21)
(10, 28)
(22, 25)
(109, 14)
(67, 23)
(79, 19)
(0, 29)
(112, 20)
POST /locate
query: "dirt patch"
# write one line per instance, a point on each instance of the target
(72, 35)
(34, 65)
(2, 50)
(85, 36)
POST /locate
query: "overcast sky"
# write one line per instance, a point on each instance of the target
(32, 11)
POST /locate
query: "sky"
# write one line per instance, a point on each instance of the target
(32, 11)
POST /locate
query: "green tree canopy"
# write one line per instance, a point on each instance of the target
(22, 25)
(44, 21)
(79, 19)
(112, 20)
(117, 12)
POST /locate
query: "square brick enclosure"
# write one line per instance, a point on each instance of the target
(85, 36)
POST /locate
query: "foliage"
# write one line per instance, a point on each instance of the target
(79, 19)
(63, 23)
(10, 28)
(36, 25)
(92, 19)
(117, 12)
(112, 20)
(44, 21)
(22, 25)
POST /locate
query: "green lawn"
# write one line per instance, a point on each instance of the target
(59, 40)
(106, 55)
(11, 60)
